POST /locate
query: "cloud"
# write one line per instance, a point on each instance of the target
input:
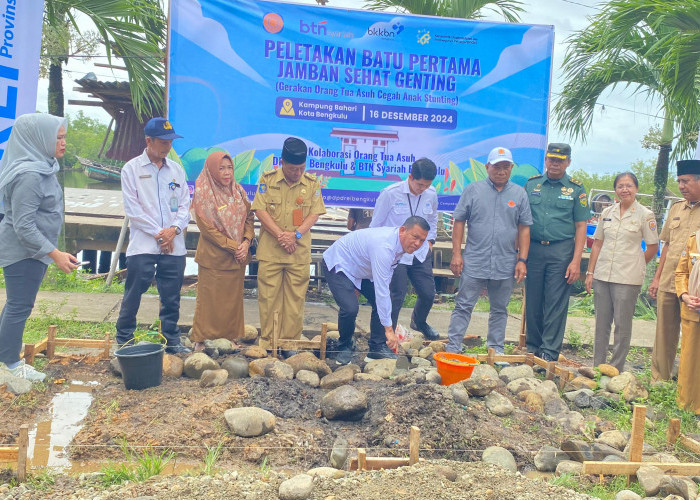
(212, 37)
(481, 148)
(535, 47)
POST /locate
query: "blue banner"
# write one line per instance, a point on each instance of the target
(368, 92)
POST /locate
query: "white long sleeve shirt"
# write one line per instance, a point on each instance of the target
(154, 199)
(371, 254)
(396, 203)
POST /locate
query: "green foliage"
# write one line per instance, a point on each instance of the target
(148, 463)
(479, 349)
(42, 480)
(83, 138)
(575, 340)
(212, 457)
(56, 280)
(465, 9)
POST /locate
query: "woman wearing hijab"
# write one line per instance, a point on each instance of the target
(33, 205)
(225, 222)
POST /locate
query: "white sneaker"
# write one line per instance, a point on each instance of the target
(25, 371)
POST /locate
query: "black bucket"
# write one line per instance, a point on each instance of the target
(142, 365)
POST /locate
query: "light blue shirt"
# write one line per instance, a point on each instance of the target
(368, 254)
(396, 203)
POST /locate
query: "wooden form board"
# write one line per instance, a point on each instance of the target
(363, 462)
(51, 341)
(295, 345)
(530, 359)
(18, 453)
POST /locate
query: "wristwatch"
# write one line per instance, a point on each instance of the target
(177, 229)
(520, 259)
(298, 235)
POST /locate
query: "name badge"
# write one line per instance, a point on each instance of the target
(173, 204)
(147, 176)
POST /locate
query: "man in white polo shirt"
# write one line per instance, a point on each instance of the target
(157, 202)
(413, 197)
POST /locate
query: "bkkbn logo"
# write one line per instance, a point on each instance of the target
(395, 30)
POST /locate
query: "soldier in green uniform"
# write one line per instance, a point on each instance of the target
(288, 203)
(557, 236)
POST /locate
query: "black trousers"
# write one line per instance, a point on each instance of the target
(169, 271)
(421, 276)
(343, 291)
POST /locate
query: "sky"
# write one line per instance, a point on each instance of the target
(621, 118)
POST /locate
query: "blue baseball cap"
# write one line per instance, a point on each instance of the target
(161, 128)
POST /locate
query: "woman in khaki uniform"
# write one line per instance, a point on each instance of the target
(616, 268)
(225, 222)
(688, 290)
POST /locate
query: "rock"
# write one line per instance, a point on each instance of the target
(602, 451)
(342, 376)
(523, 384)
(339, 453)
(332, 327)
(15, 385)
(534, 402)
(499, 456)
(571, 422)
(249, 421)
(584, 399)
(415, 342)
(671, 485)
(433, 377)
(254, 351)
(307, 361)
(555, 406)
(297, 488)
(344, 403)
(498, 404)
(481, 386)
(224, 346)
(279, 370)
(250, 333)
(627, 495)
(115, 367)
(381, 367)
(578, 450)
(411, 377)
(326, 472)
(603, 382)
(418, 361)
(617, 384)
(547, 389)
(587, 371)
(333, 334)
(649, 478)
(308, 377)
(488, 371)
(582, 383)
(634, 390)
(447, 472)
(367, 377)
(568, 467)
(402, 363)
(510, 373)
(571, 395)
(608, 370)
(258, 366)
(547, 459)
(212, 378)
(437, 346)
(661, 457)
(237, 367)
(616, 439)
(459, 394)
(196, 363)
(647, 449)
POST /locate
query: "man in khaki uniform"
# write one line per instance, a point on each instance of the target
(682, 221)
(288, 203)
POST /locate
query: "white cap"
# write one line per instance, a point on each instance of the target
(500, 154)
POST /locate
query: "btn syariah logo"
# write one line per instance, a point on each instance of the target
(423, 37)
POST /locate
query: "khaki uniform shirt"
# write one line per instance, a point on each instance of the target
(280, 200)
(621, 259)
(690, 257)
(683, 220)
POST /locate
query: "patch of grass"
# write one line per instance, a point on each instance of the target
(410, 300)
(644, 310)
(211, 458)
(604, 491)
(265, 468)
(146, 464)
(580, 343)
(565, 480)
(114, 473)
(582, 305)
(42, 480)
(479, 349)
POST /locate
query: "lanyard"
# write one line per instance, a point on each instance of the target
(410, 207)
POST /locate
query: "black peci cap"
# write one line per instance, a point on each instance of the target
(294, 151)
(686, 167)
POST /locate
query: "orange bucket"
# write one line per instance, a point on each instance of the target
(454, 368)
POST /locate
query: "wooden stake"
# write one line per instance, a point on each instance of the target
(563, 378)
(530, 359)
(324, 334)
(51, 342)
(491, 356)
(23, 445)
(108, 342)
(522, 339)
(674, 430)
(361, 459)
(377, 463)
(29, 354)
(413, 445)
(275, 332)
(637, 438)
(551, 369)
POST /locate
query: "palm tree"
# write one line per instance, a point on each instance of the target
(464, 9)
(628, 44)
(130, 29)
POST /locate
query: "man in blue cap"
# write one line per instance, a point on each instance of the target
(157, 202)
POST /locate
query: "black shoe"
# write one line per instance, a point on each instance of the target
(429, 333)
(177, 349)
(382, 353)
(546, 357)
(287, 353)
(344, 356)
